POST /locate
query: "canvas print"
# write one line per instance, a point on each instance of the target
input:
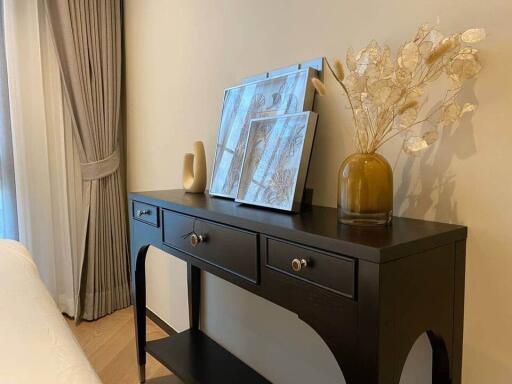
(276, 161)
(285, 94)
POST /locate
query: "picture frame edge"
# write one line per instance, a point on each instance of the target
(306, 160)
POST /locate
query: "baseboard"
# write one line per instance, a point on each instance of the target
(158, 321)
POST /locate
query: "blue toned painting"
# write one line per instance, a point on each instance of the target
(276, 160)
(265, 98)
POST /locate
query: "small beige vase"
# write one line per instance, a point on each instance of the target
(194, 169)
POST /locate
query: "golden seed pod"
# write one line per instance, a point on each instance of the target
(319, 86)
(338, 68)
(439, 52)
(408, 105)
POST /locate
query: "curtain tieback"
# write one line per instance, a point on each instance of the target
(101, 168)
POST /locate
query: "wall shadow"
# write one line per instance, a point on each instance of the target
(427, 184)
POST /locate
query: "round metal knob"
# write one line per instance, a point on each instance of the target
(141, 212)
(298, 265)
(196, 239)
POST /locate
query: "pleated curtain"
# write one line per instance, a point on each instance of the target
(87, 36)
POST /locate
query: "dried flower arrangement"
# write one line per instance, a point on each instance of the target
(386, 95)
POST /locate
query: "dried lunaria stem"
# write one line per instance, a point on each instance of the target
(386, 95)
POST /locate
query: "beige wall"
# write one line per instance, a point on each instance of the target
(180, 55)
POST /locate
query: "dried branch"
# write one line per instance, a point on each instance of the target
(387, 95)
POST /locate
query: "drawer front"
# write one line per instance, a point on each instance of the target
(145, 212)
(323, 269)
(229, 248)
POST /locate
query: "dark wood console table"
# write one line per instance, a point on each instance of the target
(369, 292)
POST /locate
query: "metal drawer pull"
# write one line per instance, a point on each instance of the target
(196, 239)
(142, 212)
(298, 265)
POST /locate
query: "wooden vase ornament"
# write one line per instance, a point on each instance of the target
(194, 169)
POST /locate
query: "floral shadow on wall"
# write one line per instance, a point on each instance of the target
(432, 191)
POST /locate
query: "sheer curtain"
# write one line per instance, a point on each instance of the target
(8, 211)
(45, 161)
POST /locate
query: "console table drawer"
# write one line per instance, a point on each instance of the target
(323, 269)
(217, 240)
(145, 212)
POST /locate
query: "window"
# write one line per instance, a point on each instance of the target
(8, 213)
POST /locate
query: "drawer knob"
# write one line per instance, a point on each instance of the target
(142, 212)
(196, 239)
(298, 265)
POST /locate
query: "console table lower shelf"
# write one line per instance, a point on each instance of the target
(195, 358)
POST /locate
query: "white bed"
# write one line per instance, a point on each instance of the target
(36, 345)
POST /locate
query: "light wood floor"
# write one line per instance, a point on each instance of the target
(109, 343)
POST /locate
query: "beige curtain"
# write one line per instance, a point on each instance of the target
(87, 36)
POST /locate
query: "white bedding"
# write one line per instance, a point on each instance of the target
(36, 345)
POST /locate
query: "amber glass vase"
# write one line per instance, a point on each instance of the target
(365, 190)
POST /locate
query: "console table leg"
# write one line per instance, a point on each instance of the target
(140, 311)
(440, 360)
(194, 294)
(458, 311)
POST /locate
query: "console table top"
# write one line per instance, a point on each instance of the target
(315, 226)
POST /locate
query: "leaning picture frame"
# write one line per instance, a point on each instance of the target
(276, 161)
(283, 94)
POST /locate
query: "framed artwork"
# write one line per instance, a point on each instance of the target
(283, 94)
(276, 161)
